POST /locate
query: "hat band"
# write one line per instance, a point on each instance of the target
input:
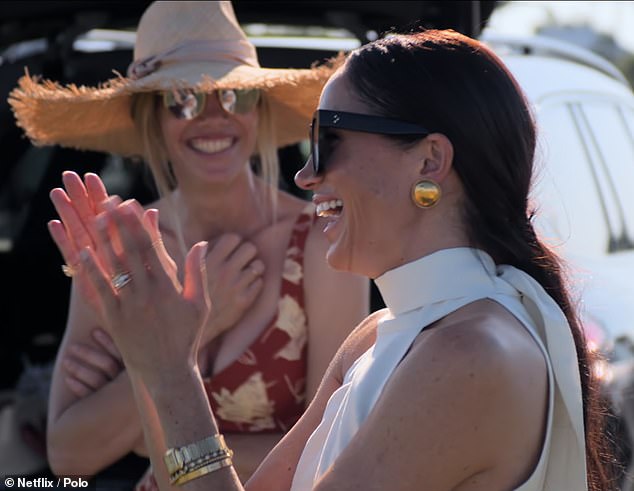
(240, 51)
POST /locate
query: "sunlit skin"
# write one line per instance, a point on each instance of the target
(379, 227)
(217, 190)
(214, 147)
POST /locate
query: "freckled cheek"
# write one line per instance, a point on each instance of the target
(363, 210)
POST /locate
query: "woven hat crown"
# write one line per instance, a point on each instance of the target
(167, 25)
(173, 33)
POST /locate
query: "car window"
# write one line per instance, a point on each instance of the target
(583, 191)
(613, 138)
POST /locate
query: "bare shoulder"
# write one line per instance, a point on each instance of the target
(482, 346)
(358, 342)
(446, 414)
(480, 366)
(483, 332)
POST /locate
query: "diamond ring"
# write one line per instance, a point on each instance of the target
(121, 279)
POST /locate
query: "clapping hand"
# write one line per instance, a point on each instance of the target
(155, 320)
(78, 206)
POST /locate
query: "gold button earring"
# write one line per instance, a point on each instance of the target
(426, 193)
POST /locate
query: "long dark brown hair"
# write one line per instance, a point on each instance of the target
(457, 86)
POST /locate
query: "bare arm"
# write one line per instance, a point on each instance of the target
(278, 469)
(335, 303)
(101, 427)
(250, 450)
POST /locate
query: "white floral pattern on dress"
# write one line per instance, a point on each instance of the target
(297, 389)
(248, 404)
(292, 271)
(292, 320)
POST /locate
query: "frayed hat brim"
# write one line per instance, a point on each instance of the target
(98, 118)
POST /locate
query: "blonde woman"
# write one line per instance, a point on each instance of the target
(197, 107)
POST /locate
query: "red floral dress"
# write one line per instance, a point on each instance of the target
(264, 390)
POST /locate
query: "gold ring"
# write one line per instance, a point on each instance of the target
(121, 279)
(69, 271)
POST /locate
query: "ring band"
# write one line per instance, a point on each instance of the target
(121, 279)
(69, 271)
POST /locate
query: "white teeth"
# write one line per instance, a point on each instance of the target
(211, 146)
(329, 208)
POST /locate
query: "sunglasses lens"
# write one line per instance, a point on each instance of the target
(238, 101)
(321, 141)
(184, 103)
(314, 145)
(324, 148)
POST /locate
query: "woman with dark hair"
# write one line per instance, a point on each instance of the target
(475, 376)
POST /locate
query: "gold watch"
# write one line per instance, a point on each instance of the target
(181, 459)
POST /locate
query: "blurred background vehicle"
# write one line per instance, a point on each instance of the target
(585, 113)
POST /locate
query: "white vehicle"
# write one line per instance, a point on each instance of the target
(584, 191)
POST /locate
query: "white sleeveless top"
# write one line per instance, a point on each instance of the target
(424, 291)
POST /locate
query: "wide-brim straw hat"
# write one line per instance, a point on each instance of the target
(197, 45)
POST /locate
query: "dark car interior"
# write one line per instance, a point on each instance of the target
(40, 35)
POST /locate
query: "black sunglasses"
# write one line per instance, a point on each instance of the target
(189, 103)
(320, 147)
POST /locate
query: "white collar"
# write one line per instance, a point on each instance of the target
(432, 278)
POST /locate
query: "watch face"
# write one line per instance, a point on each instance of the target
(173, 460)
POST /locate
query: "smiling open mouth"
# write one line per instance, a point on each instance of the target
(211, 146)
(330, 208)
